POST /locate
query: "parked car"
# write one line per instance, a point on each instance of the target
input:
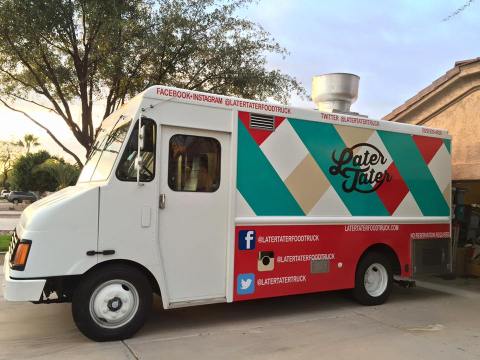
(4, 194)
(20, 196)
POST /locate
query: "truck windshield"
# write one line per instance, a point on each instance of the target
(109, 140)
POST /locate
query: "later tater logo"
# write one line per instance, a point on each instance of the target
(361, 171)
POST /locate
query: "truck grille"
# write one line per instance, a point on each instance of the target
(13, 245)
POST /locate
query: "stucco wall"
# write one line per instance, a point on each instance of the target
(454, 105)
(462, 119)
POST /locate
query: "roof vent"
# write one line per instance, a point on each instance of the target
(335, 92)
(263, 122)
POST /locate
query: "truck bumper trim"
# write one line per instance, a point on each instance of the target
(22, 290)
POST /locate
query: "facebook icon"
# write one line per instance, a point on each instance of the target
(246, 239)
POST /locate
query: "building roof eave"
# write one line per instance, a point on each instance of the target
(450, 76)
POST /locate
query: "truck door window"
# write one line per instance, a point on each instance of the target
(193, 163)
(126, 170)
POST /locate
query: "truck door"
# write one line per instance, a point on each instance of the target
(194, 210)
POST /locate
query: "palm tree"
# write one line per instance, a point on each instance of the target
(29, 141)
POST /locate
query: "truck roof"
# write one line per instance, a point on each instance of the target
(166, 93)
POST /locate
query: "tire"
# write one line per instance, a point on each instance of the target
(99, 298)
(15, 201)
(373, 279)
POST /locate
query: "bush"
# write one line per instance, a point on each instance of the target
(42, 172)
(65, 174)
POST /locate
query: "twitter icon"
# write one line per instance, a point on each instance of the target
(245, 284)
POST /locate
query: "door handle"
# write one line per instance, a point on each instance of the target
(161, 202)
(104, 252)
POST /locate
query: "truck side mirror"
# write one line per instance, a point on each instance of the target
(138, 163)
(141, 144)
(145, 147)
(141, 137)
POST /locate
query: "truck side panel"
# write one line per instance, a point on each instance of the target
(320, 169)
(295, 259)
(298, 172)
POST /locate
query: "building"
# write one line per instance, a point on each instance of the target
(452, 102)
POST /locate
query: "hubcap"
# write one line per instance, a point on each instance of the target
(376, 279)
(114, 303)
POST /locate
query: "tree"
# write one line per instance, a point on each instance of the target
(64, 173)
(9, 152)
(26, 177)
(28, 142)
(82, 50)
(459, 10)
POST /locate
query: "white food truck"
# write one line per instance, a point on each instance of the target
(218, 199)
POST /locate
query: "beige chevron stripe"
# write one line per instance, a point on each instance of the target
(447, 194)
(307, 183)
(353, 135)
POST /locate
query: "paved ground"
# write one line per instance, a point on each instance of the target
(8, 223)
(8, 219)
(415, 324)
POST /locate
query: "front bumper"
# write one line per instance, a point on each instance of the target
(19, 289)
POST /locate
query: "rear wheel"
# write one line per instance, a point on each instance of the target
(112, 303)
(373, 279)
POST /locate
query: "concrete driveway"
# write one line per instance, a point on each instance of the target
(8, 219)
(415, 324)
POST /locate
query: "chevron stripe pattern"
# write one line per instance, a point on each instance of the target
(307, 168)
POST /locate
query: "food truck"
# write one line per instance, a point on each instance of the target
(202, 198)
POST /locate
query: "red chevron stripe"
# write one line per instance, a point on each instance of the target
(393, 192)
(428, 146)
(258, 135)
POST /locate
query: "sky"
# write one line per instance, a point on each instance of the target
(397, 47)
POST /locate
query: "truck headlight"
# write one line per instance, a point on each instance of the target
(20, 255)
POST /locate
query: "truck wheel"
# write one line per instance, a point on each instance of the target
(112, 303)
(373, 279)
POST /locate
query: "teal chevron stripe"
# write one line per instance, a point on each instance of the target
(321, 140)
(259, 183)
(447, 143)
(415, 172)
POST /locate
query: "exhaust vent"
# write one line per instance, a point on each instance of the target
(335, 92)
(263, 122)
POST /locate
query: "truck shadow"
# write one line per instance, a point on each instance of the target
(194, 321)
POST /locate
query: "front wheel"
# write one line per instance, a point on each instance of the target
(373, 279)
(112, 303)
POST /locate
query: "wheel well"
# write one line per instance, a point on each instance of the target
(64, 286)
(388, 252)
(143, 269)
